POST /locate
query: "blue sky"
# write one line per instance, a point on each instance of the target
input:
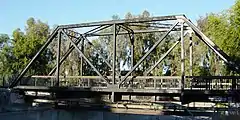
(14, 13)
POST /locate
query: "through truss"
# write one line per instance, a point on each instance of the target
(116, 82)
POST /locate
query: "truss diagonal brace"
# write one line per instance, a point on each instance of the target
(88, 41)
(49, 40)
(85, 58)
(130, 33)
(108, 64)
(65, 56)
(151, 49)
(209, 43)
(79, 40)
(160, 60)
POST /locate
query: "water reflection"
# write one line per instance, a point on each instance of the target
(82, 115)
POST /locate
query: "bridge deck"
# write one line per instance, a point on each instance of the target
(129, 91)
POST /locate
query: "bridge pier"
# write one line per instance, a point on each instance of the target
(115, 97)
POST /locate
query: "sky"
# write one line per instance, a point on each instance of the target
(14, 13)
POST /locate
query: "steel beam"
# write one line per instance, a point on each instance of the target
(160, 60)
(86, 59)
(156, 26)
(58, 57)
(114, 54)
(142, 77)
(132, 49)
(190, 54)
(182, 58)
(131, 37)
(209, 43)
(151, 49)
(82, 49)
(81, 62)
(94, 48)
(135, 20)
(152, 91)
(105, 60)
(97, 29)
(72, 47)
(213, 77)
(135, 32)
(130, 77)
(49, 40)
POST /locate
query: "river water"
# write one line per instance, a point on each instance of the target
(23, 112)
(82, 115)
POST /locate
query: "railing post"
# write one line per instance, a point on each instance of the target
(114, 55)
(155, 83)
(35, 82)
(233, 84)
(81, 62)
(190, 58)
(89, 84)
(182, 61)
(191, 54)
(132, 59)
(58, 57)
(114, 62)
(3, 83)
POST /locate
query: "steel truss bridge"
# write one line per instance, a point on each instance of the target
(188, 88)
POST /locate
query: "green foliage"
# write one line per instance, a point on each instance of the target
(5, 56)
(26, 44)
(223, 28)
(142, 43)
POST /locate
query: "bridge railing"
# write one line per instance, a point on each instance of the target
(213, 82)
(64, 81)
(140, 82)
(153, 82)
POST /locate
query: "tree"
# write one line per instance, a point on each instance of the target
(142, 43)
(223, 28)
(6, 57)
(26, 44)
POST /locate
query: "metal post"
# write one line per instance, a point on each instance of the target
(132, 59)
(132, 52)
(131, 36)
(114, 61)
(58, 57)
(154, 83)
(79, 39)
(160, 60)
(182, 60)
(86, 59)
(99, 53)
(49, 40)
(234, 84)
(35, 82)
(149, 51)
(212, 45)
(191, 58)
(114, 54)
(81, 67)
(3, 83)
(64, 56)
(89, 84)
(191, 54)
